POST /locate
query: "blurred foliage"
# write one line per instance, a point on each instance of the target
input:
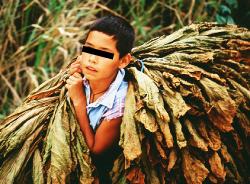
(39, 36)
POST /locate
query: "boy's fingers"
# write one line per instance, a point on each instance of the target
(75, 63)
(74, 70)
(71, 71)
(69, 81)
(75, 66)
(77, 75)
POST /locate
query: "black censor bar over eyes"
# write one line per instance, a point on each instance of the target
(97, 52)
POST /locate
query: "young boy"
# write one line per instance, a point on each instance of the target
(99, 96)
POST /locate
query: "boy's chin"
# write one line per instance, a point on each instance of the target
(90, 77)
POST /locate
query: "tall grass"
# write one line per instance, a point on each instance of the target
(38, 37)
(36, 40)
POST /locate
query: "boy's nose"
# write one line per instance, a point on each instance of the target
(92, 58)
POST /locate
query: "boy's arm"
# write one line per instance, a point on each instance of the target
(107, 133)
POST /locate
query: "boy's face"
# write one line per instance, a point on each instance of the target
(96, 64)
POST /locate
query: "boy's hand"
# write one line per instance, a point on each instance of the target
(75, 88)
(75, 66)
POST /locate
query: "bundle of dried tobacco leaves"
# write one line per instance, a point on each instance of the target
(41, 141)
(186, 117)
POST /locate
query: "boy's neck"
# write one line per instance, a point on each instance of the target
(101, 86)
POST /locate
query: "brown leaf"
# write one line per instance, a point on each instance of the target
(12, 165)
(61, 161)
(194, 170)
(211, 135)
(149, 92)
(47, 93)
(172, 159)
(118, 171)
(160, 144)
(244, 123)
(232, 171)
(240, 88)
(151, 153)
(239, 44)
(181, 141)
(212, 178)
(171, 97)
(237, 140)
(37, 170)
(129, 137)
(195, 140)
(160, 149)
(215, 139)
(136, 176)
(226, 156)
(147, 119)
(217, 167)
(223, 108)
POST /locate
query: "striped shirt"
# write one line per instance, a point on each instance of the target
(111, 104)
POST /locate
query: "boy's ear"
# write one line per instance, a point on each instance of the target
(125, 60)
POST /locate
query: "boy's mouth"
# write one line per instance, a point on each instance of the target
(91, 68)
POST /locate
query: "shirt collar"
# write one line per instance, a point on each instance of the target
(107, 99)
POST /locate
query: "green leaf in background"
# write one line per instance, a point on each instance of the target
(230, 20)
(220, 19)
(224, 10)
(232, 3)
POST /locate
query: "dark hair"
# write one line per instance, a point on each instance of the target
(118, 27)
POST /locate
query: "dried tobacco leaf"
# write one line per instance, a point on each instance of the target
(6, 131)
(180, 138)
(196, 140)
(217, 167)
(149, 166)
(237, 140)
(231, 168)
(48, 85)
(165, 130)
(170, 97)
(61, 163)
(194, 170)
(37, 169)
(135, 176)
(214, 139)
(150, 94)
(151, 152)
(223, 108)
(172, 159)
(153, 100)
(145, 117)
(21, 134)
(118, 172)
(25, 109)
(244, 122)
(211, 135)
(160, 149)
(18, 159)
(80, 151)
(129, 137)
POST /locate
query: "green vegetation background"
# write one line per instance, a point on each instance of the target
(38, 37)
